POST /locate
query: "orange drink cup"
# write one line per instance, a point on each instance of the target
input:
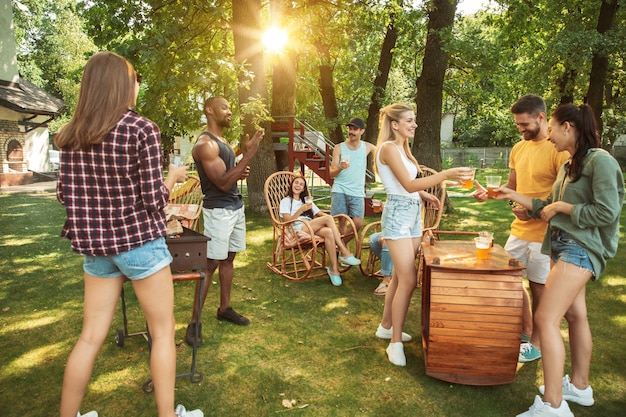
(483, 247)
(469, 183)
(493, 182)
(377, 206)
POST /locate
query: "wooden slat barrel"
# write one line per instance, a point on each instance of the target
(471, 314)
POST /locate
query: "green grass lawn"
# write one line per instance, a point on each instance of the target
(309, 343)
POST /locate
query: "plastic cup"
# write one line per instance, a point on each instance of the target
(468, 183)
(483, 247)
(176, 160)
(377, 206)
(493, 182)
(346, 159)
(486, 235)
(308, 199)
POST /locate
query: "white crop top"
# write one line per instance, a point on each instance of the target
(390, 182)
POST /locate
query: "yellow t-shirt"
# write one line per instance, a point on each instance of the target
(536, 164)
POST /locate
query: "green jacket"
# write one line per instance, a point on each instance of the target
(597, 197)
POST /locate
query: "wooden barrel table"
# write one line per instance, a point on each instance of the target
(471, 313)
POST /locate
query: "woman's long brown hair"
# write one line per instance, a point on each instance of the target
(107, 90)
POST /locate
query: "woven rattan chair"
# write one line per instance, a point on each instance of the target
(186, 197)
(296, 255)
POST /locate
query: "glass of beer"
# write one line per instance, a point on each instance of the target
(483, 246)
(377, 206)
(493, 182)
(467, 184)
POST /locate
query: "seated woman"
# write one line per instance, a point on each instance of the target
(293, 207)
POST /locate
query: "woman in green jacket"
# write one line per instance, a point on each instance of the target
(583, 211)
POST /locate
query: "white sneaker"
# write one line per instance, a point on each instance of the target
(182, 412)
(573, 394)
(89, 414)
(383, 333)
(541, 409)
(395, 353)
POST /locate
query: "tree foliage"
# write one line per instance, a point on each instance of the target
(185, 53)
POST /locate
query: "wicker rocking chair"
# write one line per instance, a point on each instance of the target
(296, 255)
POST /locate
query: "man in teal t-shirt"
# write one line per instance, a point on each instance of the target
(348, 170)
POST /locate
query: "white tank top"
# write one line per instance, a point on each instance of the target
(390, 182)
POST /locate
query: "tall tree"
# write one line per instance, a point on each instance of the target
(283, 76)
(382, 76)
(246, 25)
(429, 99)
(600, 60)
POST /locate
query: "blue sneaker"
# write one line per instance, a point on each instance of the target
(350, 260)
(528, 353)
(335, 279)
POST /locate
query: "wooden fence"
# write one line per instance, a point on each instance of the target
(476, 157)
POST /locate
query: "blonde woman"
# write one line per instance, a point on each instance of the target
(399, 172)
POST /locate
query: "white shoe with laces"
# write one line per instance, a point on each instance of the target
(541, 409)
(89, 414)
(383, 333)
(182, 412)
(573, 394)
(395, 353)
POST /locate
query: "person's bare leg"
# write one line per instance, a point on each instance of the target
(527, 314)
(226, 273)
(564, 285)
(536, 290)
(329, 221)
(197, 298)
(389, 296)
(405, 271)
(156, 295)
(329, 245)
(580, 340)
(101, 295)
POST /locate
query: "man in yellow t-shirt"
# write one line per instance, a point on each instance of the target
(534, 164)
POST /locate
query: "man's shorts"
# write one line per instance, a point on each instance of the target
(529, 254)
(342, 203)
(136, 264)
(227, 230)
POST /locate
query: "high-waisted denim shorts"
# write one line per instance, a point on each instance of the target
(402, 217)
(138, 263)
(566, 249)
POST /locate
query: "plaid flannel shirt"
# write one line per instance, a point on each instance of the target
(114, 192)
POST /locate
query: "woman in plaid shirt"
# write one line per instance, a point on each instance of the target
(111, 184)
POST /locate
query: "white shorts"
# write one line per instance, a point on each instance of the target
(227, 230)
(529, 254)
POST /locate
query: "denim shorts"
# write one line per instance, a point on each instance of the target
(136, 264)
(402, 217)
(341, 203)
(566, 249)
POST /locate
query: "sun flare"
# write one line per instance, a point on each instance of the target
(274, 39)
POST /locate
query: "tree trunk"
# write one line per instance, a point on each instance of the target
(283, 80)
(327, 91)
(246, 22)
(600, 62)
(380, 82)
(427, 142)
